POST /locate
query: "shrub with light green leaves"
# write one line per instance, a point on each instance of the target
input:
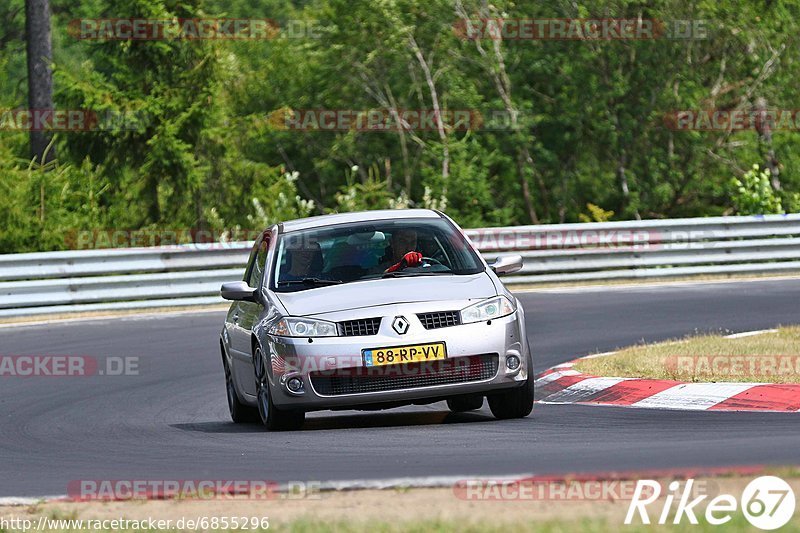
(752, 194)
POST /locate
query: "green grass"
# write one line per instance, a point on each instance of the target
(737, 524)
(769, 357)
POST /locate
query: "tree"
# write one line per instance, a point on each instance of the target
(40, 74)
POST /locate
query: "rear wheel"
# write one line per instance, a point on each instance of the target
(240, 413)
(461, 404)
(274, 419)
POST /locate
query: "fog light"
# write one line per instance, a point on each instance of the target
(294, 385)
(512, 362)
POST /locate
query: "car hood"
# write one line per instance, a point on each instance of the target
(371, 293)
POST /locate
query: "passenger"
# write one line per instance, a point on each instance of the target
(301, 263)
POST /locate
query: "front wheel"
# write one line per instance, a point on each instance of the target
(515, 403)
(274, 419)
(240, 413)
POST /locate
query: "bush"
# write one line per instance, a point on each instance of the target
(753, 194)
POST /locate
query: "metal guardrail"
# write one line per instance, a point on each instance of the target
(185, 275)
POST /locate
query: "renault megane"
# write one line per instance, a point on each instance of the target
(372, 310)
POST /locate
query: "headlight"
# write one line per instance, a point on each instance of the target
(496, 307)
(303, 327)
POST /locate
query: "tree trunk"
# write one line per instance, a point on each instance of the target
(436, 111)
(153, 207)
(523, 159)
(40, 76)
(503, 85)
(764, 129)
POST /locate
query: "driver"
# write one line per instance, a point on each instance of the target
(401, 253)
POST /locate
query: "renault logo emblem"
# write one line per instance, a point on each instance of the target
(400, 325)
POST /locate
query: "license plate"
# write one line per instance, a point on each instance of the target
(396, 355)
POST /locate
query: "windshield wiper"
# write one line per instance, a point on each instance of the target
(309, 281)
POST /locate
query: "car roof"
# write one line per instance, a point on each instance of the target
(359, 216)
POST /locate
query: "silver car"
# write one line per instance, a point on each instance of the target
(372, 310)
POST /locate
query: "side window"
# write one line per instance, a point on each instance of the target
(257, 271)
(251, 261)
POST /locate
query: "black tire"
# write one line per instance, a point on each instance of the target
(461, 404)
(274, 419)
(240, 413)
(516, 402)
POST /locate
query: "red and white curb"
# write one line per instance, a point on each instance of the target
(562, 384)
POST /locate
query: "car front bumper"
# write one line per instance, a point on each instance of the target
(321, 361)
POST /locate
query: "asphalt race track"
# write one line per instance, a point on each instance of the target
(171, 420)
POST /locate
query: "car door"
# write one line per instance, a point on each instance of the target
(245, 315)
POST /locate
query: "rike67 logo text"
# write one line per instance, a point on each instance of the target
(767, 502)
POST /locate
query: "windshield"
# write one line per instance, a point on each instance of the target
(370, 250)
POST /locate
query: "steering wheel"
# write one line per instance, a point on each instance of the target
(424, 262)
(430, 260)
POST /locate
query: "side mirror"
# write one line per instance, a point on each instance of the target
(238, 291)
(507, 264)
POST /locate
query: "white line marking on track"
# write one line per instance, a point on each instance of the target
(14, 501)
(645, 285)
(554, 376)
(583, 389)
(355, 484)
(693, 396)
(145, 315)
(594, 355)
(415, 482)
(749, 333)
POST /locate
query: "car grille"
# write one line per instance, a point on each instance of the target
(440, 319)
(407, 376)
(362, 326)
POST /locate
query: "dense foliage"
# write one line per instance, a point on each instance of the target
(587, 133)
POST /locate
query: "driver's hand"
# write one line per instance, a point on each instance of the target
(413, 259)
